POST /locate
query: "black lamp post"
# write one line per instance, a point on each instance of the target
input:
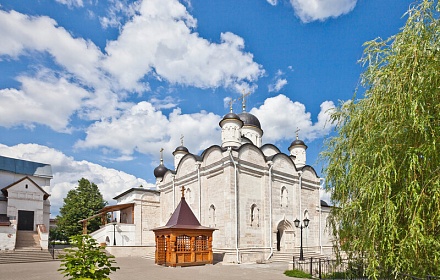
(114, 233)
(297, 224)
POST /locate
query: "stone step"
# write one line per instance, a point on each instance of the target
(27, 240)
(26, 256)
(288, 257)
(149, 256)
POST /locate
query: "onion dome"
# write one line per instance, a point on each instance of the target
(181, 148)
(297, 142)
(160, 171)
(249, 119)
(230, 116)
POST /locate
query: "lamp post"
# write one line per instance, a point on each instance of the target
(305, 224)
(114, 233)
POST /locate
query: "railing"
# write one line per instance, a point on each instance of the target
(344, 269)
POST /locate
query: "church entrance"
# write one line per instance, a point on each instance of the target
(25, 220)
(285, 236)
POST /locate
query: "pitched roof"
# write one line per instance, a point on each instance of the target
(183, 218)
(5, 189)
(20, 166)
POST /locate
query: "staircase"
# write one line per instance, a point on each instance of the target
(27, 249)
(288, 257)
(27, 240)
(26, 256)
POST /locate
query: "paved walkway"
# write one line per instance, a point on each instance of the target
(139, 268)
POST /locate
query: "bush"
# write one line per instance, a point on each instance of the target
(86, 260)
(297, 273)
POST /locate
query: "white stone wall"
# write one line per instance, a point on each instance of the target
(7, 237)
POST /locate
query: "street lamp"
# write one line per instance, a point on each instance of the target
(114, 233)
(297, 224)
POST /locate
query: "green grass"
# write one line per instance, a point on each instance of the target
(297, 273)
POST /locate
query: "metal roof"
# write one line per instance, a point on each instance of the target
(20, 166)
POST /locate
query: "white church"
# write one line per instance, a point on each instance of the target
(251, 193)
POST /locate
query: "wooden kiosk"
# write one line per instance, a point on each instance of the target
(183, 241)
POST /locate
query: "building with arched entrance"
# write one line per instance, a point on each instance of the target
(252, 193)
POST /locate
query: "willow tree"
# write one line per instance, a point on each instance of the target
(383, 164)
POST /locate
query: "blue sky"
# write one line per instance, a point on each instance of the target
(96, 88)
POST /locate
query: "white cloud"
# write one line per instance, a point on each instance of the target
(44, 99)
(67, 172)
(160, 41)
(272, 2)
(71, 3)
(117, 12)
(143, 128)
(311, 10)
(291, 115)
(278, 85)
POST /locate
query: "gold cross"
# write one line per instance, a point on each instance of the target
(161, 155)
(181, 139)
(183, 191)
(232, 101)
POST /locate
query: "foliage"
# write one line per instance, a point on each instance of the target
(384, 162)
(86, 260)
(80, 203)
(297, 273)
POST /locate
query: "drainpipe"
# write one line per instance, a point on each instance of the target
(299, 197)
(200, 191)
(174, 193)
(142, 210)
(270, 163)
(236, 205)
(321, 181)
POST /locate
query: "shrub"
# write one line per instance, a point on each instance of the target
(297, 273)
(86, 260)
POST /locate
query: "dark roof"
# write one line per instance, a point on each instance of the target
(183, 218)
(135, 189)
(181, 149)
(297, 142)
(25, 167)
(5, 189)
(231, 116)
(325, 204)
(249, 119)
(160, 171)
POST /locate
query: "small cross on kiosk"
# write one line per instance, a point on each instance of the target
(183, 191)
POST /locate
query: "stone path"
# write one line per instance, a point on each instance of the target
(139, 268)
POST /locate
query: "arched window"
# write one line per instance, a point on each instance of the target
(255, 215)
(188, 195)
(284, 197)
(212, 216)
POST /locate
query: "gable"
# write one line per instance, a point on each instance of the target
(25, 186)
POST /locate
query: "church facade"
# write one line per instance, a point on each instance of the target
(251, 193)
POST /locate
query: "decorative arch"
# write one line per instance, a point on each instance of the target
(285, 236)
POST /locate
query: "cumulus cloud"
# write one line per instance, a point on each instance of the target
(272, 2)
(41, 100)
(67, 171)
(144, 129)
(282, 126)
(161, 41)
(311, 10)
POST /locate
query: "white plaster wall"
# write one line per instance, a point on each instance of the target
(7, 237)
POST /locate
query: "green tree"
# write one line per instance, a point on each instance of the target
(383, 164)
(80, 203)
(86, 260)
